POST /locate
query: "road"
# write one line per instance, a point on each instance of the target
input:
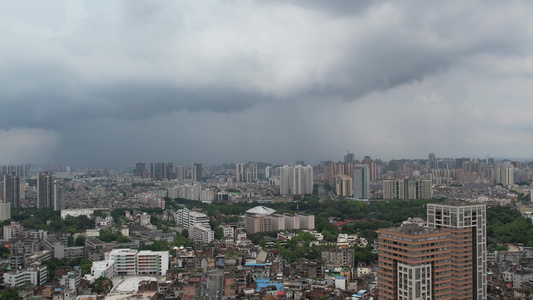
(214, 285)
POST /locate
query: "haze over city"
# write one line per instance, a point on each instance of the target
(104, 84)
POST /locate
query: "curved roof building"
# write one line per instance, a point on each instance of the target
(260, 211)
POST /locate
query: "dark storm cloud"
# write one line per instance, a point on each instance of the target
(128, 101)
(130, 63)
(389, 45)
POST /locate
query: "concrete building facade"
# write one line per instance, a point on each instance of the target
(467, 225)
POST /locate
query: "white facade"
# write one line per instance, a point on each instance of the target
(201, 233)
(38, 234)
(173, 193)
(125, 261)
(297, 180)
(228, 231)
(71, 280)
(465, 216)
(105, 268)
(5, 211)
(414, 281)
(13, 230)
(268, 171)
(34, 275)
(106, 222)
(505, 174)
(307, 221)
(77, 212)
(132, 262)
(187, 218)
(292, 221)
(278, 222)
(144, 219)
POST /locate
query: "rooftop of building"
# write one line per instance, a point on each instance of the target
(456, 203)
(412, 229)
(261, 210)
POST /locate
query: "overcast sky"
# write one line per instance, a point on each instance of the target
(109, 83)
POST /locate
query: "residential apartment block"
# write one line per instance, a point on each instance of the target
(263, 219)
(35, 275)
(407, 189)
(297, 180)
(414, 263)
(132, 262)
(445, 260)
(467, 225)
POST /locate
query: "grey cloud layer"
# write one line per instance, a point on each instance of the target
(86, 61)
(161, 57)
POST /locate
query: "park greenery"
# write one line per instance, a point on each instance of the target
(108, 235)
(368, 216)
(4, 252)
(10, 294)
(504, 224)
(102, 285)
(507, 225)
(54, 263)
(50, 220)
(164, 245)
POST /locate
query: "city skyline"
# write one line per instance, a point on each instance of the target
(111, 84)
(182, 167)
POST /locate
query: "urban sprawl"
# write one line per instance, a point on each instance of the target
(432, 228)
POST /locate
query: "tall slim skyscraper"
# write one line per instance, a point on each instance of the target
(59, 195)
(180, 170)
(504, 174)
(467, 224)
(140, 170)
(50, 192)
(349, 157)
(432, 161)
(344, 185)
(23, 171)
(268, 171)
(196, 172)
(239, 173)
(361, 182)
(253, 172)
(11, 189)
(45, 190)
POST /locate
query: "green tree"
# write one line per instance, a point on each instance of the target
(219, 233)
(214, 223)
(10, 294)
(86, 265)
(4, 252)
(80, 240)
(70, 241)
(102, 285)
